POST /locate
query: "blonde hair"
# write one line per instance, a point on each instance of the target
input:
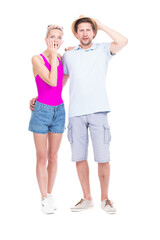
(51, 27)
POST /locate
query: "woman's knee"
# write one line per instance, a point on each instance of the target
(42, 158)
(52, 157)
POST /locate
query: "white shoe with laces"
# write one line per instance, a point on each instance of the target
(46, 206)
(83, 204)
(52, 202)
(107, 205)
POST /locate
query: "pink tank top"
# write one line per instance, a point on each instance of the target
(47, 94)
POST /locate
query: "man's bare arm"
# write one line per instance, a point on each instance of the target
(65, 79)
(31, 103)
(119, 41)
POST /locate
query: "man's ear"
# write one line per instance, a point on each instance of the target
(76, 34)
(94, 33)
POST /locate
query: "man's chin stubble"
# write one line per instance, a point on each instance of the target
(86, 44)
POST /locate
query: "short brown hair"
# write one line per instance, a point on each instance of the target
(83, 20)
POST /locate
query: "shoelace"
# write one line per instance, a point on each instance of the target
(79, 202)
(108, 202)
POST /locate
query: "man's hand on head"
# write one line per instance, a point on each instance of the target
(99, 24)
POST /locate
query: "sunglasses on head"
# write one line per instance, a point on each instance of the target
(55, 27)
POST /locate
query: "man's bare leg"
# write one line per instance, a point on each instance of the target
(83, 174)
(104, 175)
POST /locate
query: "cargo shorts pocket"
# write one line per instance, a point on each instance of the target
(70, 138)
(107, 134)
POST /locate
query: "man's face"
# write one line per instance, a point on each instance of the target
(85, 33)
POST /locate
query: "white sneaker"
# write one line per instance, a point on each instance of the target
(52, 202)
(107, 205)
(46, 206)
(82, 205)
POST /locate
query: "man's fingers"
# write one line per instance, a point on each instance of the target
(69, 48)
(32, 109)
(33, 100)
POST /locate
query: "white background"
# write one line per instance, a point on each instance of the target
(133, 89)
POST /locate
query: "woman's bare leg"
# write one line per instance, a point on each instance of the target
(54, 140)
(41, 169)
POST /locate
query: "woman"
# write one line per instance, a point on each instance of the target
(48, 118)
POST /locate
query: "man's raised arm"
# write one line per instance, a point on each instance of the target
(119, 41)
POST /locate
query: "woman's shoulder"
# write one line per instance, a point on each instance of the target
(36, 59)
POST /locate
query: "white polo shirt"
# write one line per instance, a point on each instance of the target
(87, 72)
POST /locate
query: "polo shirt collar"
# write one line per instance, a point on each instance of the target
(91, 48)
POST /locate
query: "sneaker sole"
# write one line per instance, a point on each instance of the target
(80, 209)
(46, 212)
(109, 211)
(49, 213)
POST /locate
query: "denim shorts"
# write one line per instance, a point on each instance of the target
(97, 125)
(46, 118)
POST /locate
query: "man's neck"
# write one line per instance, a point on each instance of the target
(86, 46)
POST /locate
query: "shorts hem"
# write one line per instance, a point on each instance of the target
(56, 131)
(79, 160)
(102, 161)
(37, 131)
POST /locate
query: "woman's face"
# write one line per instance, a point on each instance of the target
(57, 36)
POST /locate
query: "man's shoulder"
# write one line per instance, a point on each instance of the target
(70, 53)
(101, 44)
(67, 53)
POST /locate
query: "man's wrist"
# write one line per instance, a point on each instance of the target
(103, 27)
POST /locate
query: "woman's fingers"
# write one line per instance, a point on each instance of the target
(55, 45)
(51, 43)
(48, 43)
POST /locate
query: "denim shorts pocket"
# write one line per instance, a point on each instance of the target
(107, 134)
(37, 108)
(70, 138)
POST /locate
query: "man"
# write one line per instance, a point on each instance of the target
(86, 65)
